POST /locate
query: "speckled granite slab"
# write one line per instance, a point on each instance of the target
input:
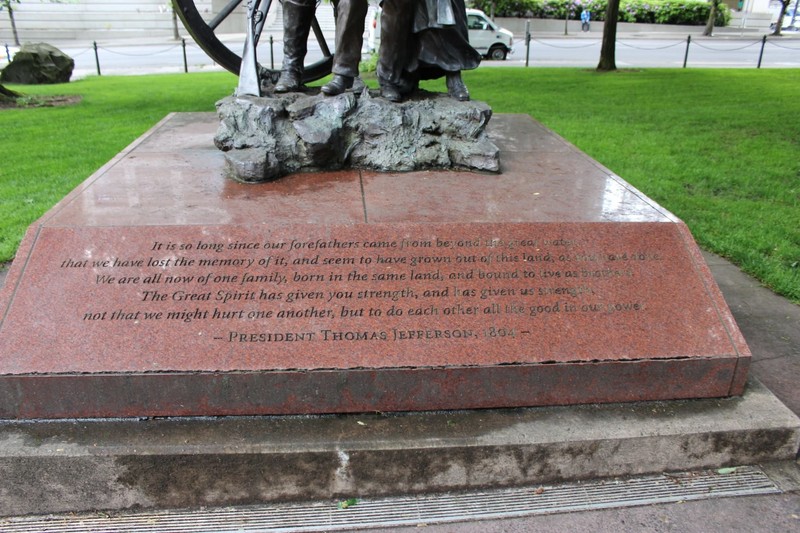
(158, 287)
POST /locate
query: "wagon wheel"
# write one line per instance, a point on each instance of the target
(202, 28)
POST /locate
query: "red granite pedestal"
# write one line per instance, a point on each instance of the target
(159, 287)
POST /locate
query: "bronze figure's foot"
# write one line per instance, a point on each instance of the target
(337, 85)
(391, 93)
(456, 88)
(288, 82)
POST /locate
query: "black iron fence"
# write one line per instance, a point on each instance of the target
(175, 55)
(760, 46)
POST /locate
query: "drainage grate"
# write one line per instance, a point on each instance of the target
(412, 510)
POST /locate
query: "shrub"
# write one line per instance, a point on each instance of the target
(370, 65)
(686, 12)
(504, 8)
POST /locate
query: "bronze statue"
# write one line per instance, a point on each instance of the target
(424, 39)
(350, 15)
(421, 39)
(297, 17)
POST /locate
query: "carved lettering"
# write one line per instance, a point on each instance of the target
(386, 289)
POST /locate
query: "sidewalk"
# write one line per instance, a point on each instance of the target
(625, 30)
(551, 30)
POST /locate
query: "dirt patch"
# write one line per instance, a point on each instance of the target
(31, 101)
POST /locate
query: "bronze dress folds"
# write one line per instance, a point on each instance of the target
(442, 38)
(423, 39)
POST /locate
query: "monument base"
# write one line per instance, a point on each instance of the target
(84, 465)
(90, 325)
(160, 288)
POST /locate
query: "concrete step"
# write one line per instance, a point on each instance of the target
(85, 465)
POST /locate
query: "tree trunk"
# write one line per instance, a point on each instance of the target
(7, 95)
(784, 5)
(608, 60)
(13, 24)
(712, 16)
(175, 34)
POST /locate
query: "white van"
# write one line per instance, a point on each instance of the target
(490, 40)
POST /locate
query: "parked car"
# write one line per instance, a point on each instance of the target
(490, 40)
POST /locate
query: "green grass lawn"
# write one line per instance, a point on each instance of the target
(719, 148)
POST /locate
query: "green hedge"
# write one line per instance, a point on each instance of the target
(686, 12)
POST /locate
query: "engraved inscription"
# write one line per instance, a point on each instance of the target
(388, 289)
(251, 297)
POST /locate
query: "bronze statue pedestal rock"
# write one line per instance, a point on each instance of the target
(268, 137)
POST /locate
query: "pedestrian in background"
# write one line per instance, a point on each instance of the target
(586, 18)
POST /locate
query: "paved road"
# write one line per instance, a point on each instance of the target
(545, 51)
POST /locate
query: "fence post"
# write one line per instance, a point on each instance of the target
(271, 54)
(761, 53)
(686, 55)
(527, 41)
(96, 57)
(185, 64)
